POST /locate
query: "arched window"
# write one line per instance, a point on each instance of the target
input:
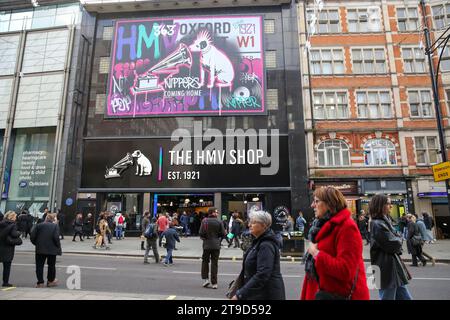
(333, 153)
(379, 152)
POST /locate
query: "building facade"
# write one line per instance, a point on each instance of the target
(368, 104)
(187, 105)
(38, 51)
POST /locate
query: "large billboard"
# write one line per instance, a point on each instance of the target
(209, 65)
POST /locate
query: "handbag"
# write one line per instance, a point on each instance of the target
(325, 295)
(13, 241)
(416, 240)
(235, 285)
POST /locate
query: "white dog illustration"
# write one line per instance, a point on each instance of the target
(214, 61)
(143, 166)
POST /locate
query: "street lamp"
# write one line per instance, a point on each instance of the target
(429, 50)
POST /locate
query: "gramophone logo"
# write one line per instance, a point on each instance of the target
(143, 165)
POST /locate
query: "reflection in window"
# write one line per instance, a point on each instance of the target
(8, 54)
(420, 103)
(379, 152)
(427, 150)
(45, 51)
(374, 104)
(333, 153)
(330, 105)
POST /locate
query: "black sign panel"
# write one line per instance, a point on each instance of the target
(159, 163)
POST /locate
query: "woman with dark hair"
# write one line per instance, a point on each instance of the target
(385, 251)
(334, 263)
(9, 238)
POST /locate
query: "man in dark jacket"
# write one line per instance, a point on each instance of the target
(45, 236)
(25, 223)
(171, 236)
(211, 232)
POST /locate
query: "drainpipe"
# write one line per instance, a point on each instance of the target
(12, 109)
(61, 121)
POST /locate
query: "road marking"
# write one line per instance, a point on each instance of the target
(171, 297)
(10, 288)
(234, 274)
(63, 266)
(438, 279)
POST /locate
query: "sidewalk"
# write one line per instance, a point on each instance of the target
(66, 294)
(191, 248)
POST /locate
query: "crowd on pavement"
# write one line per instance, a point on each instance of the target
(333, 262)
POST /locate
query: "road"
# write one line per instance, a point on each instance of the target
(130, 275)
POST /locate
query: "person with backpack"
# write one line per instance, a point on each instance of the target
(171, 235)
(151, 235)
(429, 224)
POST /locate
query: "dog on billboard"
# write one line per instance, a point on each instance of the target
(214, 61)
(143, 164)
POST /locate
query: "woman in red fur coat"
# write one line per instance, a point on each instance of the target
(335, 253)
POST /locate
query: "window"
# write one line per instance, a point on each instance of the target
(43, 17)
(9, 46)
(269, 26)
(271, 59)
(327, 61)
(420, 103)
(445, 61)
(104, 65)
(369, 60)
(107, 33)
(100, 102)
(427, 150)
(38, 101)
(413, 60)
(20, 20)
(272, 99)
(408, 19)
(5, 17)
(330, 105)
(45, 51)
(379, 152)
(333, 153)
(327, 21)
(5, 99)
(374, 104)
(364, 19)
(447, 91)
(441, 15)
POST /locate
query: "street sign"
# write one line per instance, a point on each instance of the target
(441, 171)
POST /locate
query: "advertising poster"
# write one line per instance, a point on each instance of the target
(187, 66)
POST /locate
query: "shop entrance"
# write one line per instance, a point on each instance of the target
(129, 204)
(242, 203)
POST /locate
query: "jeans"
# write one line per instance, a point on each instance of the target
(40, 262)
(151, 244)
(397, 293)
(6, 271)
(118, 232)
(214, 255)
(169, 259)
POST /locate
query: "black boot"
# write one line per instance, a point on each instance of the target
(142, 245)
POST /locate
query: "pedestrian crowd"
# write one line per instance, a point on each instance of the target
(333, 262)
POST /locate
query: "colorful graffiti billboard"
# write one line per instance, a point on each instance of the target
(187, 66)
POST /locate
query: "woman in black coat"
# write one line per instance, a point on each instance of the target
(414, 241)
(385, 251)
(9, 238)
(261, 275)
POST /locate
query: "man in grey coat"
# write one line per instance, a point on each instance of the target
(211, 232)
(45, 236)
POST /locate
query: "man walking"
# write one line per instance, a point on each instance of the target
(211, 232)
(45, 236)
(151, 237)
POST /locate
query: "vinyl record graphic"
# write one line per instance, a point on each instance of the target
(244, 90)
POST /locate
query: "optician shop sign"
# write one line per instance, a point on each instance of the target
(184, 162)
(210, 65)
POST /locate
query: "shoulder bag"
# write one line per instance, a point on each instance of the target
(325, 295)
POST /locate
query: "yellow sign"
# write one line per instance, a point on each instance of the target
(441, 171)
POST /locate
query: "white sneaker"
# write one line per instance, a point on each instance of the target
(206, 283)
(214, 286)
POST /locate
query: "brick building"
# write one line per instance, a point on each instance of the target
(368, 105)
